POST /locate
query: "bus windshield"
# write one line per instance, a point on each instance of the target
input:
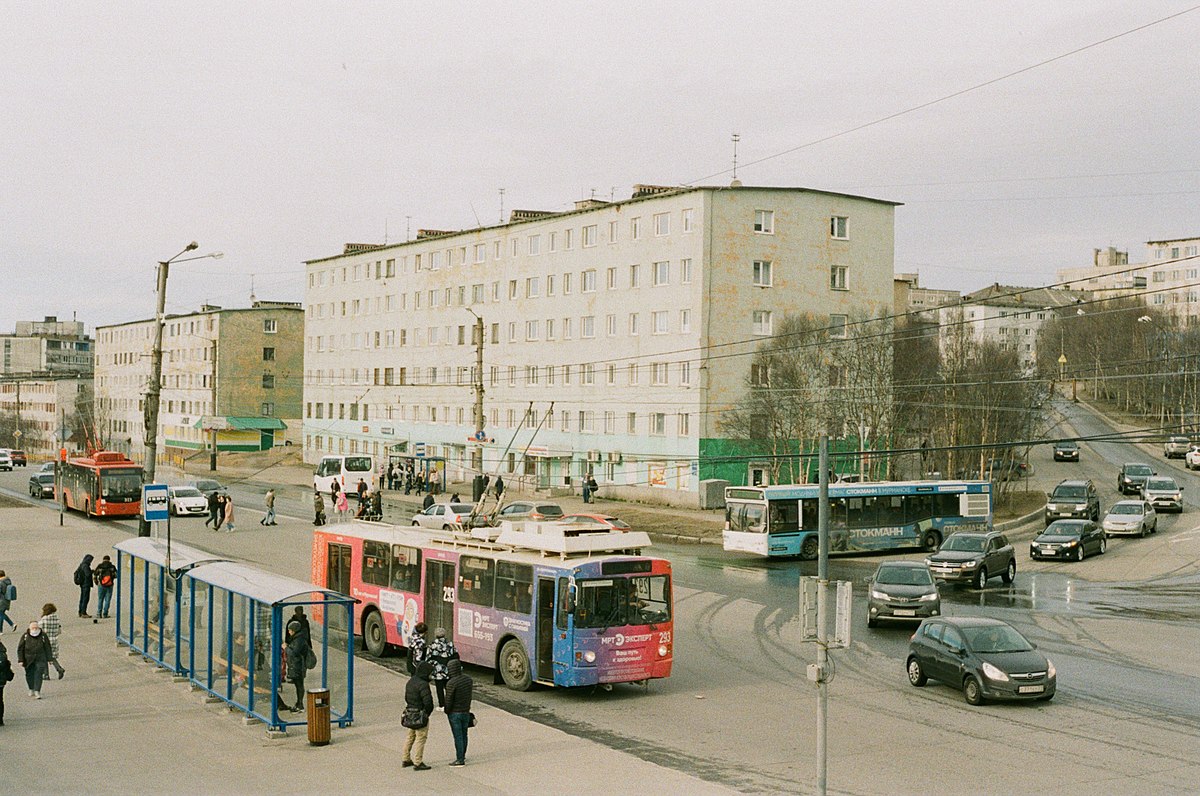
(117, 484)
(613, 602)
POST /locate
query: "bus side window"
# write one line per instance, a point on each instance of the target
(837, 513)
(784, 516)
(808, 514)
(514, 587)
(375, 559)
(948, 506)
(919, 507)
(754, 522)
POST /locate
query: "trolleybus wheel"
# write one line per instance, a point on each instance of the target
(514, 666)
(374, 634)
(809, 547)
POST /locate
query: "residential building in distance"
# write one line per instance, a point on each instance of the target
(46, 347)
(616, 334)
(1110, 274)
(242, 366)
(40, 415)
(1173, 277)
(1007, 315)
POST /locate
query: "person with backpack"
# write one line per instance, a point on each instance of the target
(83, 579)
(296, 653)
(33, 652)
(418, 705)
(6, 676)
(318, 509)
(105, 577)
(8, 593)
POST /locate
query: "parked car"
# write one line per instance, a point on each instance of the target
(530, 510)
(603, 519)
(447, 516)
(1066, 451)
(47, 467)
(18, 458)
(973, 557)
(185, 500)
(41, 485)
(6, 462)
(1176, 447)
(1131, 476)
(902, 590)
(986, 658)
(1130, 517)
(1163, 493)
(208, 486)
(1069, 540)
(1191, 459)
(1073, 499)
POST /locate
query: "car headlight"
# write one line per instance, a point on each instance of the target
(970, 564)
(589, 656)
(1051, 507)
(928, 598)
(1071, 543)
(1050, 670)
(878, 595)
(928, 562)
(662, 650)
(992, 673)
(1081, 507)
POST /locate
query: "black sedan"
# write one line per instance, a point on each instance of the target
(986, 658)
(41, 485)
(1069, 539)
(1066, 452)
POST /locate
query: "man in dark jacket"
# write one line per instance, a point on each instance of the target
(214, 510)
(105, 577)
(458, 709)
(428, 501)
(418, 699)
(83, 579)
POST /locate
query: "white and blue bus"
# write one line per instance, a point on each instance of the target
(867, 517)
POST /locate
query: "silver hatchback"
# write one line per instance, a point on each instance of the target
(1163, 493)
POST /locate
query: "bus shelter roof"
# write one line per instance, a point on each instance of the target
(264, 587)
(156, 551)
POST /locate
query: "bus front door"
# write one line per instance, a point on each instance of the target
(545, 630)
(337, 578)
(439, 596)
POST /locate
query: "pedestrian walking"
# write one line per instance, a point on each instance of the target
(33, 652)
(227, 514)
(342, 506)
(318, 508)
(220, 513)
(391, 476)
(362, 490)
(334, 489)
(6, 676)
(458, 709)
(418, 647)
(83, 579)
(8, 593)
(499, 488)
(214, 510)
(377, 505)
(269, 499)
(105, 577)
(587, 490)
(296, 653)
(418, 706)
(592, 487)
(52, 628)
(441, 653)
(428, 501)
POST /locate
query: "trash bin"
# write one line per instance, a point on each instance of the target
(317, 704)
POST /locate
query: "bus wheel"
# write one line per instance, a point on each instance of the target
(374, 634)
(809, 547)
(931, 541)
(514, 666)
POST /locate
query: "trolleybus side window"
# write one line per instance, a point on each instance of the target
(406, 568)
(514, 587)
(784, 516)
(561, 615)
(375, 563)
(476, 580)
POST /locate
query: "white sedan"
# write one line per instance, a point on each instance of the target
(446, 516)
(186, 500)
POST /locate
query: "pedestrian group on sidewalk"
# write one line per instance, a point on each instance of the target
(454, 689)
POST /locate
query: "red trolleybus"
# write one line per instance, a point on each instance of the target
(554, 603)
(102, 484)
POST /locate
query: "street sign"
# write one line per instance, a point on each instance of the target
(419, 450)
(154, 502)
(214, 423)
(17, 433)
(480, 435)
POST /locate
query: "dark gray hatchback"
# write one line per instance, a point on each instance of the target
(986, 658)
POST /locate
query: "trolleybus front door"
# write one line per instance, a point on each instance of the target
(439, 596)
(545, 629)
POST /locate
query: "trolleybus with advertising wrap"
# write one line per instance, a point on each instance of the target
(563, 604)
(864, 517)
(101, 484)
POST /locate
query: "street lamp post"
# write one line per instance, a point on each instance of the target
(154, 389)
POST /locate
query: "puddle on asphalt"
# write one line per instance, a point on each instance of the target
(1172, 599)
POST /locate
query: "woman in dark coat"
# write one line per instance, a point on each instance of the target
(5, 672)
(296, 650)
(34, 653)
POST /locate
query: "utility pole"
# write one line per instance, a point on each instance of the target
(822, 613)
(60, 464)
(212, 456)
(17, 432)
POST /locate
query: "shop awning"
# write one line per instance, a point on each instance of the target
(250, 423)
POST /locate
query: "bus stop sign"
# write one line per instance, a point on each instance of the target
(154, 502)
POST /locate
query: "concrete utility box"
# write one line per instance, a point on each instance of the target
(712, 493)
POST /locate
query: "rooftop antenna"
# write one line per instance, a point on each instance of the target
(385, 231)
(407, 228)
(736, 183)
(252, 299)
(593, 196)
(501, 205)
(612, 194)
(478, 223)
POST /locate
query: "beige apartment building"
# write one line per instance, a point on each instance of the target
(46, 347)
(242, 366)
(616, 334)
(36, 413)
(1168, 279)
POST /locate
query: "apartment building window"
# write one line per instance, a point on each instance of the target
(270, 326)
(839, 227)
(494, 375)
(589, 236)
(565, 416)
(633, 324)
(685, 373)
(662, 273)
(496, 291)
(587, 374)
(587, 421)
(659, 319)
(635, 276)
(531, 374)
(515, 248)
(762, 273)
(435, 261)
(631, 422)
(477, 294)
(764, 221)
(549, 328)
(685, 321)
(633, 374)
(389, 377)
(497, 250)
(612, 231)
(512, 290)
(839, 277)
(268, 381)
(611, 374)
(610, 323)
(535, 245)
(1159, 276)
(587, 281)
(658, 424)
(612, 279)
(566, 371)
(658, 373)
(549, 374)
(587, 327)
(533, 287)
(568, 238)
(566, 284)
(531, 330)
(685, 423)
(837, 326)
(480, 253)
(685, 270)
(568, 328)
(762, 321)
(512, 375)
(511, 418)
(268, 355)
(268, 409)
(495, 334)
(552, 242)
(687, 220)
(610, 422)
(550, 284)
(662, 224)
(512, 331)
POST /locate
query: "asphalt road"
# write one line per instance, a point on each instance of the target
(1121, 629)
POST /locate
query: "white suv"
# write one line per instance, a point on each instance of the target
(5, 461)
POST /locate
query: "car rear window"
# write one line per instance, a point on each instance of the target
(1160, 483)
(461, 508)
(1137, 469)
(550, 509)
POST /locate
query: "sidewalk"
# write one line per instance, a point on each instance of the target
(118, 724)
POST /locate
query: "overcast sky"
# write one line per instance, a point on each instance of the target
(276, 132)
